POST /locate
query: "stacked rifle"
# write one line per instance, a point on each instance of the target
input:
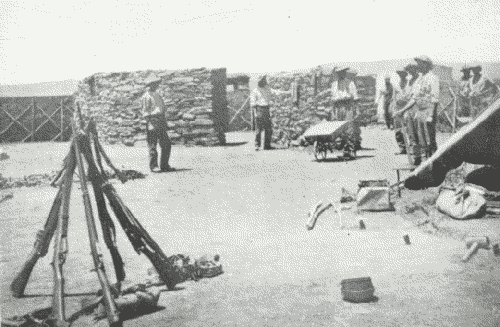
(85, 146)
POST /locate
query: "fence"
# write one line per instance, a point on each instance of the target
(35, 119)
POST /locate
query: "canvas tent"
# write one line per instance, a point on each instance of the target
(476, 143)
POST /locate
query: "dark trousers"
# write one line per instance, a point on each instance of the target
(399, 126)
(154, 137)
(263, 124)
(423, 133)
(387, 114)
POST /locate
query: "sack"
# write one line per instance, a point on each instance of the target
(466, 202)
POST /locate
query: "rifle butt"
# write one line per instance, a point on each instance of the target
(19, 283)
(163, 267)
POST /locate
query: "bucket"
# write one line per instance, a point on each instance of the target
(357, 289)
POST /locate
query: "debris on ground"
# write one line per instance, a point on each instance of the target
(3, 155)
(4, 196)
(186, 268)
(347, 196)
(374, 196)
(43, 179)
(314, 214)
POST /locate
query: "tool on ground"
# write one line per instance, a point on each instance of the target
(407, 239)
(474, 244)
(81, 143)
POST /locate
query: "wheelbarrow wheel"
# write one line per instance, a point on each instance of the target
(319, 151)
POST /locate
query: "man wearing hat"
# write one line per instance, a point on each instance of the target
(260, 101)
(401, 99)
(483, 91)
(425, 98)
(153, 110)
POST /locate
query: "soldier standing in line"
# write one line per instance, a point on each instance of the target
(464, 92)
(411, 124)
(425, 98)
(260, 102)
(153, 110)
(483, 91)
(401, 99)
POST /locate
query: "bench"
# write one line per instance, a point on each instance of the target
(398, 170)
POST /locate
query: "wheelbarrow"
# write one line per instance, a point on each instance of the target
(329, 136)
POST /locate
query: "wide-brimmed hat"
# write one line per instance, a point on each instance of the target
(410, 68)
(352, 71)
(343, 70)
(402, 72)
(262, 78)
(477, 68)
(152, 81)
(423, 59)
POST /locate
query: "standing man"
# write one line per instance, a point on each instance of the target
(401, 99)
(296, 92)
(153, 110)
(344, 97)
(483, 91)
(388, 95)
(260, 101)
(426, 99)
(464, 92)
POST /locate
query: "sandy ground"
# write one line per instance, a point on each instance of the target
(251, 208)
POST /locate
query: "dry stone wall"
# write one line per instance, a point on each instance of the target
(195, 104)
(290, 122)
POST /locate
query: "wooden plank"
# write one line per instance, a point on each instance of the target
(33, 121)
(62, 120)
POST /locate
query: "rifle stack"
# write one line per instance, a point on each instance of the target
(85, 147)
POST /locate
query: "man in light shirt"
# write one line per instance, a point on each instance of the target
(344, 95)
(464, 92)
(483, 91)
(260, 102)
(401, 99)
(425, 98)
(153, 111)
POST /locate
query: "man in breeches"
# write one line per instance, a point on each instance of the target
(401, 99)
(260, 102)
(153, 110)
(425, 98)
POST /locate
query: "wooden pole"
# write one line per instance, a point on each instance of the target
(33, 121)
(62, 120)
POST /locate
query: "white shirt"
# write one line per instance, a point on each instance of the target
(262, 96)
(344, 89)
(152, 104)
(427, 87)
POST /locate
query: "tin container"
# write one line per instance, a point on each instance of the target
(357, 289)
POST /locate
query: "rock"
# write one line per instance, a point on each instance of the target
(173, 135)
(140, 138)
(202, 122)
(188, 117)
(3, 155)
(129, 142)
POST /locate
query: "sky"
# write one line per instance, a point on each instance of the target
(58, 40)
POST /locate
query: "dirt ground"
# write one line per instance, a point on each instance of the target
(251, 208)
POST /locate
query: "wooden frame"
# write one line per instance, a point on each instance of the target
(46, 118)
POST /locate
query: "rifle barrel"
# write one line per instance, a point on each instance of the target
(40, 248)
(61, 244)
(112, 311)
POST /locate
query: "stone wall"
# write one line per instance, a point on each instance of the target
(195, 102)
(290, 122)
